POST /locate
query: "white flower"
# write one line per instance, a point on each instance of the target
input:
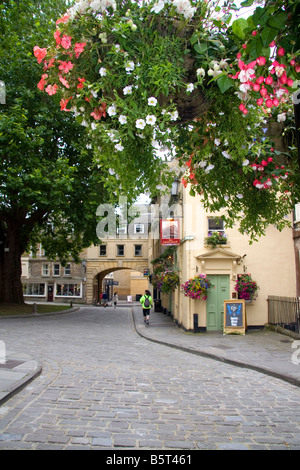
(127, 90)
(226, 154)
(129, 66)
(119, 147)
(140, 123)
(239, 196)
(246, 162)
(217, 142)
(200, 72)
(184, 7)
(281, 117)
(111, 171)
(152, 101)
(190, 87)
(158, 6)
(223, 64)
(122, 119)
(112, 110)
(174, 115)
(245, 75)
(150, 119)
(209, 168)
(102, 71)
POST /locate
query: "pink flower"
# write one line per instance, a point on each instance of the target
(63, 103)
(261, 60)
(99, 112)
(51, 89)
(39, 53)
(65, 66)
(81, 83)
(268, 80)
(66, 42)
(64, 82)
(57, 37)
(63, 19)
(281, 52)
(42, 82)
(79, 46)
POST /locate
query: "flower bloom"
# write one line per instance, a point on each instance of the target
(51, 89)
(140, 124)
(99, 112)
(119, 147)
(65, 66)
(127, 90)
(39, 53)
(150, 119)
(78, 48)
(66, 42)
(190, 87)
(63, 104)
(129, 66)
(152, 101)
(64, 82)
(174, 115)
(200, 72)
(63, 19)
(42, 82)
(81, 83)
(112, 110)
(122, 119)
(102, 71)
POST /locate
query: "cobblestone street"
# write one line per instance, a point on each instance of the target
(104, 387)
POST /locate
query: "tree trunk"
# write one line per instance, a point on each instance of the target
(11, 249)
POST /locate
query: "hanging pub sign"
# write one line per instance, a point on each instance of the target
(169, 232)
(234, 316)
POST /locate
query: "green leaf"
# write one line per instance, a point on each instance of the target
(278, 21)
(224, 83)
(200, 48)
(267, 35)
(239, 27)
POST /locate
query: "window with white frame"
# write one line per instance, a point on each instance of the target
(216, 224)
(67, 270)
(138, 250)
(56, 269)
(68, 290)
(45, 270)
(139, 228)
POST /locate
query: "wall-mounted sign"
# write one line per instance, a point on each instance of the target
(234, 316)
(169, 232)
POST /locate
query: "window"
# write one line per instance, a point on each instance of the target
(122, 230)
(138, 228)
(137, 250)
(45, 270)
(120, 250)
(215, 225)
(67, 270)
(56, 270)
(68, 290)
(34, 289)
(102, 251)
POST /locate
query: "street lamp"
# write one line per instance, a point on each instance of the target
(175, 187)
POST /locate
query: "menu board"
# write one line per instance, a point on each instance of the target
(234, 316)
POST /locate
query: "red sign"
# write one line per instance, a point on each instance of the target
(169, 232)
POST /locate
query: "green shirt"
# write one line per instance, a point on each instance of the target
(143, 298)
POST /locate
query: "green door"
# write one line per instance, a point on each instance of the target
(215, 302)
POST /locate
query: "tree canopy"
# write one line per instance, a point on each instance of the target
(180, 76)
(50, 186)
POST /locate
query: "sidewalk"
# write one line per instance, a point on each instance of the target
(262, 350)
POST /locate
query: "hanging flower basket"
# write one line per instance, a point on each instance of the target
(197, 287)
(165, 281)
(246, 287)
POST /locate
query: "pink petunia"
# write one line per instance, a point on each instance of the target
(42, 82)
(65, 66)
(66, 42)
(51, 89)
(57, 37)
(63, 19)
(79, 46)
(63, 104)
(39, 53)
(64, 82)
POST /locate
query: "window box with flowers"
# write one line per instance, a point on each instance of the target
(197, 287)
(216, 238)
(246, 287)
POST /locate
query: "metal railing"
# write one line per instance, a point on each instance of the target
(284, 311)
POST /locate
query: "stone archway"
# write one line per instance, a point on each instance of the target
(96, 272)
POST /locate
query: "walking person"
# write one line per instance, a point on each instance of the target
(146, 301)
(115, 299)
(105, 299)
